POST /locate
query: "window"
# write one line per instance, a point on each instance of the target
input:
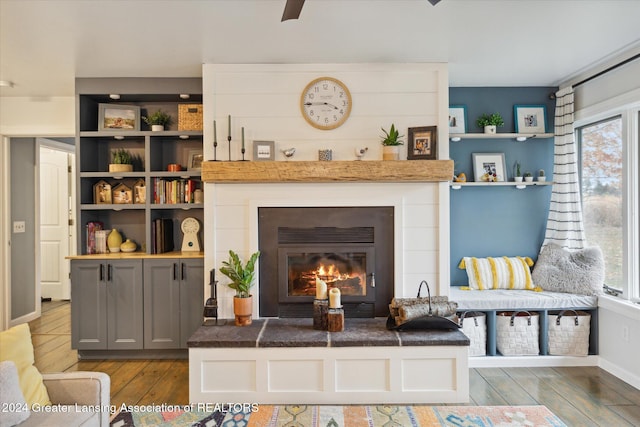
(609, 184)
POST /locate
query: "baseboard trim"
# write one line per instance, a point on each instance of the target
(621, 373)
(532, 361)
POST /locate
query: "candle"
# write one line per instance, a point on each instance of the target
(215, 132)
(243, 138)
(229, 126)
(334, 298)
(321, 289)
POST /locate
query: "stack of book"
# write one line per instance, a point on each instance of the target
(173, 191)
(161, 235)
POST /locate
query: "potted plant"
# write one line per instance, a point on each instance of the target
(528, 177)
(157, 120)
(518, 176)
(541, 175)
(489, 122)
(391, 142)
(241, 281)
(121, 161)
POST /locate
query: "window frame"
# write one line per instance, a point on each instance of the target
(629, 113)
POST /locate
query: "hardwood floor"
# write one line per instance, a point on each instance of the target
(580, 396)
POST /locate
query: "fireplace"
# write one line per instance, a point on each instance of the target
(350, 248)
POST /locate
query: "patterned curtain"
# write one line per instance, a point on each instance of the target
(564, 224)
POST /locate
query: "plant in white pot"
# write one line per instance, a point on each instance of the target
(528, 177)
(490, 122)
(541, 175)
(391, 142)
(241, 281)
(157, 120)
(518, 176)
(121, 161)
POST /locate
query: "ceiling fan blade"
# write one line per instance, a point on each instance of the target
(292, 10)
(434, 2)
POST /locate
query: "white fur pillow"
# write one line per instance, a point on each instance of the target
(576, 272)
(14, 407)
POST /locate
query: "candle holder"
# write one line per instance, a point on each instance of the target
(229, 139)
(320, 311)
(335, 320)
(215, 151)
(243, 151)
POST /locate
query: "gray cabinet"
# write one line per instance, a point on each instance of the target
(106, 309)
(173, 301)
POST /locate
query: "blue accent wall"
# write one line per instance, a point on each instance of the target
(497, 221)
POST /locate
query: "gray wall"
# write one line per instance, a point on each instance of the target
(23, 208)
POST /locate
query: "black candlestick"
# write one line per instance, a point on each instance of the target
(243, 151)
(229, 139)
(215, 149)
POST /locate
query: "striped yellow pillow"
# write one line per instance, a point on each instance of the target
(498, 273)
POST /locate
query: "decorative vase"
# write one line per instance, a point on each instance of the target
(114, 241)
(128, 246)
(117, 167)
(490, 129)
(390, 152)
(242, 309)
(157, 128)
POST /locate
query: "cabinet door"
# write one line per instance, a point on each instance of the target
(161, 303)
(88, 305)
(191, 297)
(124, 304)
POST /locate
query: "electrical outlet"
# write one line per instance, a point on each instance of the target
(625, 333)
(19, 227)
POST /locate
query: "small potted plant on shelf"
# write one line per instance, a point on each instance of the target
(489, 122)
(518, 176)
(528, 177)
(121, 161)
(157, 120)
(391, 142)
(541, 175)
(241, 281)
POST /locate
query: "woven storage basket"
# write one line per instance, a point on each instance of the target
(518, 333)
(189, 116)
(474, 325)
(569, 333)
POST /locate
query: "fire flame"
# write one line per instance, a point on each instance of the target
(330, 272)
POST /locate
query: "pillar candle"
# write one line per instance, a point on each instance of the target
(215, 132)
(334, 298)
(321, 289)
(243, 137)
(229, 125)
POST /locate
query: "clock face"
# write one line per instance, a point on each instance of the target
(190, 225)
(325, 103)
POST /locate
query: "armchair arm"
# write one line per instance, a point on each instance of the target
(82, 388)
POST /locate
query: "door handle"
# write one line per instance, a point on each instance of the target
(182, 271)
(108, 272)
(174, 271)
(101, 272)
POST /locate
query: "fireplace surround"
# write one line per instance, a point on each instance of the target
(350, 248)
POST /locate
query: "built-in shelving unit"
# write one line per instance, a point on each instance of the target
(152, 152)
(455, 137)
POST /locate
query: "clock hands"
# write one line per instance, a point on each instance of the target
(307, 104)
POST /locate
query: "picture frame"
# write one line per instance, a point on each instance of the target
(489, 167)
(530, 119)
(102, 193)
(194, 160)
(264, 151)
(422, 143)
(120, 118)
(457, 119)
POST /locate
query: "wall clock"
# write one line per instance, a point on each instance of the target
(190, 228)
(325, 103)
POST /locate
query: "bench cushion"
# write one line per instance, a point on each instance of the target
(506, 299)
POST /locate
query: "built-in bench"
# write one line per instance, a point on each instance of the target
(279, 361)
(545, 303)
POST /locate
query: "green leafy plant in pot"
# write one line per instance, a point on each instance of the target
(121, 161)
(157, 120)
(391, 142)
(242, 278)
(489, 122)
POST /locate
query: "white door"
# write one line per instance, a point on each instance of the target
(54, 224)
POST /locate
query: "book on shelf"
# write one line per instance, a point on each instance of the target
(162, 235)
(174, 191)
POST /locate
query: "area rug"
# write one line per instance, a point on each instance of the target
(345, 416)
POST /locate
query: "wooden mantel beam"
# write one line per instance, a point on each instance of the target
(332, 171)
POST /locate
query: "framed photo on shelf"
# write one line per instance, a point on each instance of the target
(102, 193)
(457, 119)
(422, 143)
(194, 160)
(118, 117)
(264, 151)
(530, 118)
(489, 167)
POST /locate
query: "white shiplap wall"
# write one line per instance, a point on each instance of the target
(264, 99)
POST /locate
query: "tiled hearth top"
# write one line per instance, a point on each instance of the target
(300, 333)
